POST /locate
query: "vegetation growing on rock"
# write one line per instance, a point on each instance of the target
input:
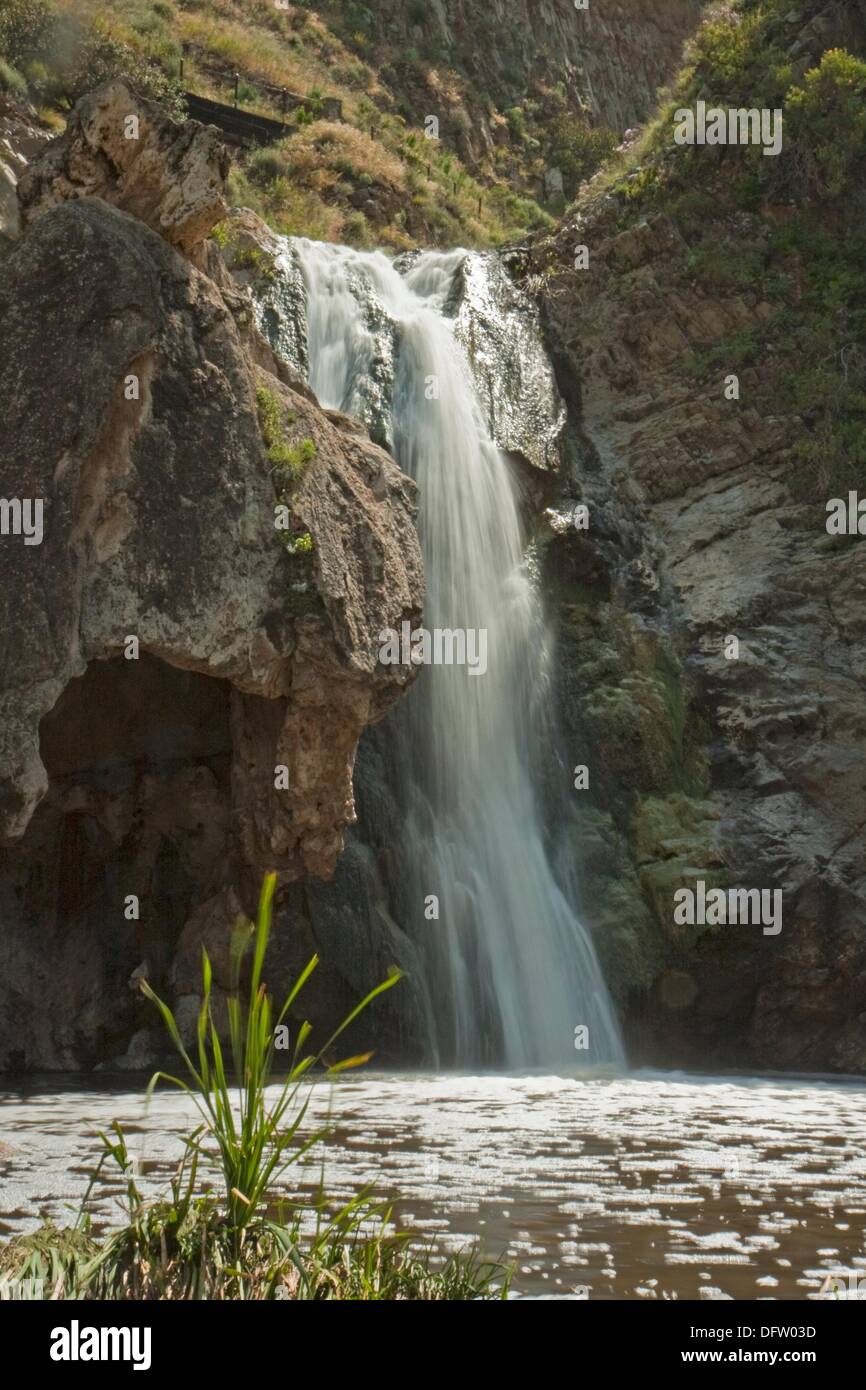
(260, 264)
(372, 178)
(512, 103)
(728, 756)
(63, 52)
(287, 460)
(788, 232)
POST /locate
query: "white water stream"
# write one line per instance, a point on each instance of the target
(515, 972)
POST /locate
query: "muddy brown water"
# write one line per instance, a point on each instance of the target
(639, 1186)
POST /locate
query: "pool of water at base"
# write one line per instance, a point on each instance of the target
(638, 1186)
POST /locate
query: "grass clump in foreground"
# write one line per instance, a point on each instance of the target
(240, 1242)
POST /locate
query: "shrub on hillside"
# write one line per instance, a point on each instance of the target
(11, 80)
(578, 150)
(70, 58)
(96, 56)
(26, 27)
(266, 165)
(826, 120)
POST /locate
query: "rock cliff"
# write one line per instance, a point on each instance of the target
(711, 631)
(189, 635)
(610, 57)
(184, 685)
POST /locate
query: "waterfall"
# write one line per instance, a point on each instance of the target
(513, 972)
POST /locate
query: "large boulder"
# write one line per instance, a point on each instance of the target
(128, 151)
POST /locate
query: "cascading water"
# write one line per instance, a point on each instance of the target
(514, 972)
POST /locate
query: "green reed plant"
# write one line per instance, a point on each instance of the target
(256, 1140)
(246, 1243)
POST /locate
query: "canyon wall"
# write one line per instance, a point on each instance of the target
(611, 57)
(497, 76)
(712, 634)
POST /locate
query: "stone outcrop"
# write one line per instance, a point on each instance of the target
(20, 142)
(500, 332)
(129, 151)
(134, 388)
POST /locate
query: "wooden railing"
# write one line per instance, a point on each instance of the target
(245, 127)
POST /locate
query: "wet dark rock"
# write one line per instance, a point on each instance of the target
(498, 326)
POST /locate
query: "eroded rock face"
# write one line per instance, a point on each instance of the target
(132, 384)
(495, 323)
(611, 57)
(746, 769)
(260, 262)
(128, 151)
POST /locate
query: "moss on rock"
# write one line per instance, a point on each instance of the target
(675, 843)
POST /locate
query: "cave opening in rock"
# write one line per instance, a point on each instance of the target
(131, 834)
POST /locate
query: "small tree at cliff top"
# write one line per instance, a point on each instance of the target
(578, 150)
(826, 119)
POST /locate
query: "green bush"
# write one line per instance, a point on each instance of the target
(265, 165)
(725, 264)
(288, 461)
(11, 80)
(725, 53)
(259, 263)
(95, 55)
(248, 93)
(356, 230)
(37, 74)
(826, 123)
(578, 150)
(26, 27)
(358, 17)
(516, 118)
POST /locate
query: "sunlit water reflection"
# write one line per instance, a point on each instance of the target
(638, 1187)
